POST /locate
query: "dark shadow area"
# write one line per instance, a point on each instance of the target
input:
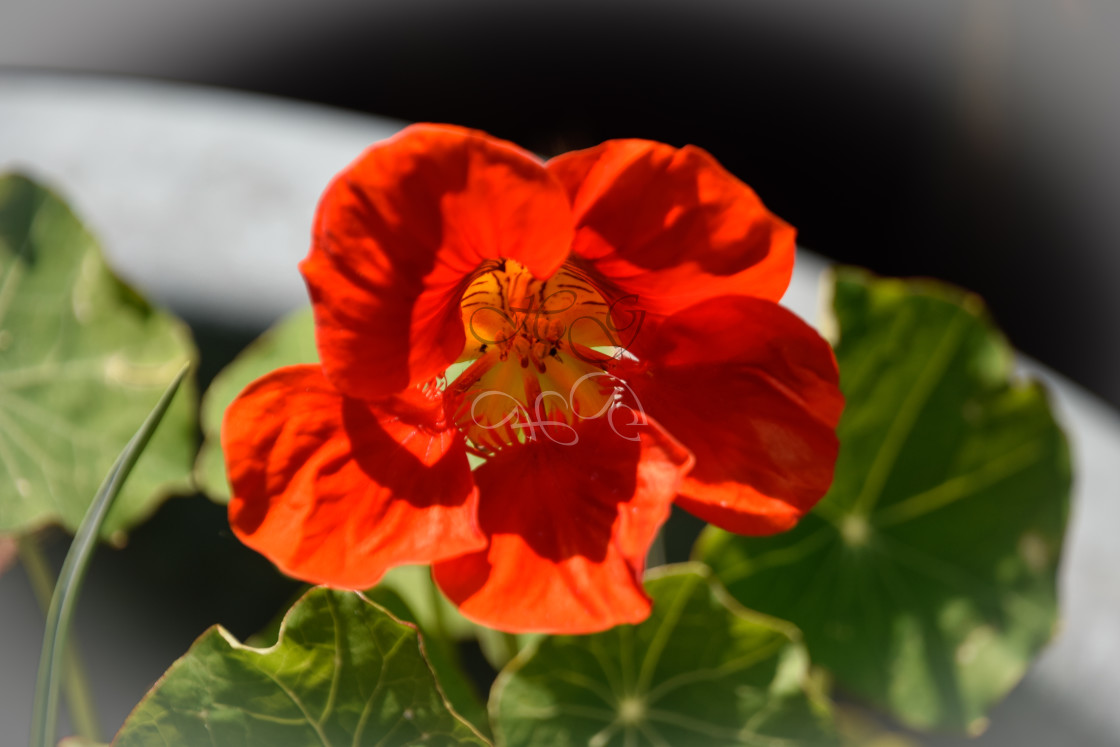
(680, 533)
(181, 560)
(479, 671)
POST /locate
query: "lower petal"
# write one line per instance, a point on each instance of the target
(335, 491)
(569, 525)
(752, 391)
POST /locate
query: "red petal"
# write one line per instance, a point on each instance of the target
(672, 226)
(753, 392)
(569, 530)
(335, 492)
(397, 236)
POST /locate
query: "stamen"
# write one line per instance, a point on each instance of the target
(519, 332)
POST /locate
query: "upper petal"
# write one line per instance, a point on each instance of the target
(569, 529)
(752, 391)
(398, 234)
(334, 491)
(672, 226)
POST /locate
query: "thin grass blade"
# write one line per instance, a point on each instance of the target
(61, 611)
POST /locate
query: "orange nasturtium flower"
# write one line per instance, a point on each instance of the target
(599, 332)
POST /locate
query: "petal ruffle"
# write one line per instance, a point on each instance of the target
(671, 226)
(400, 232)
(752, 391)
(334, 491)
(569, 528)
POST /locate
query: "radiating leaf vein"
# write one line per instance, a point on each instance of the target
(755, 657)
(906, 416)
(963, 486)
(664, 629)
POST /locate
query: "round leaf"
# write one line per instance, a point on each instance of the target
(400, 598)
(83, 359)
(700, 671)
(343, 673)
(925, 579)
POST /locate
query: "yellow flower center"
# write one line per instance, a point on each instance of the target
(537, 352)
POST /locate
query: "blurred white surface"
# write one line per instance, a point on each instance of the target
(204, 200)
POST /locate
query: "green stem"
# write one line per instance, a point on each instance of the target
(439, 620)
(439, 624)
(75, 683)
(511, 646)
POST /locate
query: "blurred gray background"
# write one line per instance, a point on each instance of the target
(970, 140)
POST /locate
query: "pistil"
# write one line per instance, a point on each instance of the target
(531, 344)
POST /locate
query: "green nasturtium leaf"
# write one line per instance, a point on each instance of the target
(701, 671)
(925, 579)
(288, 342)
(408, 593)
(344, 673)
(83, 359)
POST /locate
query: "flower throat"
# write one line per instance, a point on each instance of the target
(536, 356)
